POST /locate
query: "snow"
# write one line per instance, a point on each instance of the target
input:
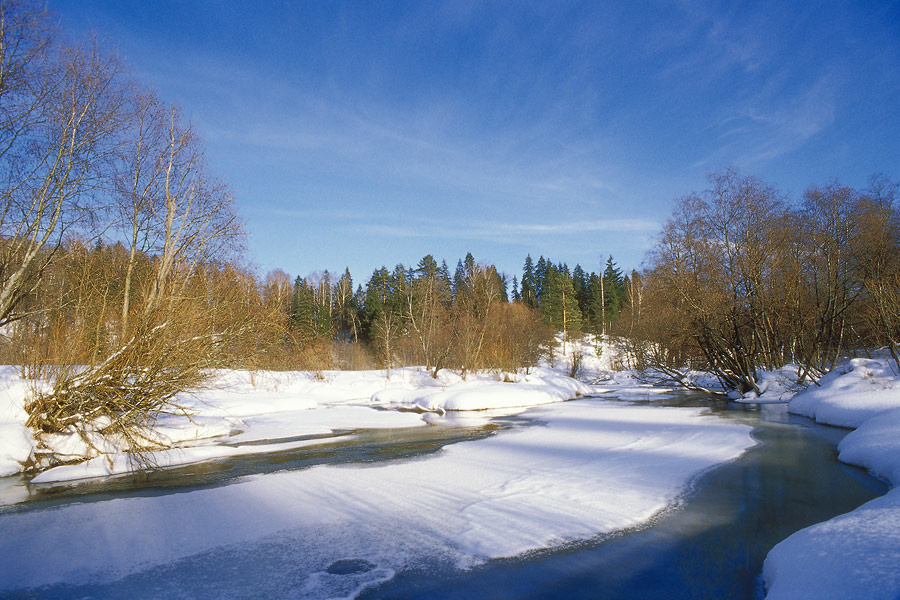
(850, 396)
(249, 413)
(16, 441)
(484, 395)
(592, 467)
(588, 468)
(855, 555)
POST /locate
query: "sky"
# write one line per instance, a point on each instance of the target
(362, 134)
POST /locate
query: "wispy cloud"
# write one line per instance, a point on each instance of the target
(766, 127)
(504, 231)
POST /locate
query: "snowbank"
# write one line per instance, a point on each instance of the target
(259, 412)
(520, 391)
(855, 555)
(594, 467)
(850, 396)
(16, 441)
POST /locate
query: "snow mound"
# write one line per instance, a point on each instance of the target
(849, 397)
(875, 446)
(487, 395)
(16, 441)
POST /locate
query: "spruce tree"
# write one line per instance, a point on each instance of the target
(595, 311)
(529, 294)
(459, 279)
(579, 282)
(540, 279)
(615, 290)
(515, 290)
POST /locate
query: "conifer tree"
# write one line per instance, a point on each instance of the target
(529, 294)
(469, 265)
(559, 304)
(615, 290)
(540, 279)
(579, 282)
(303, 318)
(596, 310)
(459, 279)
(444, 276)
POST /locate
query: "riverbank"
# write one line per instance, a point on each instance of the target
(582, 473)
(245, 412)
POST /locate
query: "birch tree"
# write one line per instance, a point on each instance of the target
(59, 118)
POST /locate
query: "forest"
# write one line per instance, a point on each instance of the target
(123, 278)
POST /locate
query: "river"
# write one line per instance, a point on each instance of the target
(711, 545)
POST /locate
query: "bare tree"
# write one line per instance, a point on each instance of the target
(182, 323)
(59, 117)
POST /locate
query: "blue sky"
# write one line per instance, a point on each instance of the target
(367, 133)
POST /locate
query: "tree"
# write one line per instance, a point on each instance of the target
(76, 133)
(613, 292)
(59, 121)
(559, 303)
(516, 296)
(383, 310)
(426, 311)
(529, 285)
(345, 308)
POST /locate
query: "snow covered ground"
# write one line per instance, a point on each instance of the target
(264, 412)
(590, 468)
(856, 555)
(585, 469)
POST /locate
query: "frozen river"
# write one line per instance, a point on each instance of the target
(711, 545)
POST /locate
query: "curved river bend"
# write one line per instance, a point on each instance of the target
(710, 546)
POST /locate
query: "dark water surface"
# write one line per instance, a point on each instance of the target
(711, 546)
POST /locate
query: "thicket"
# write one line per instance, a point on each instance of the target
(425, 316)
(408, 316)
(742, 279)
(86, 154)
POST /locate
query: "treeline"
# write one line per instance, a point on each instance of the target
(742, 279)
(407, 316)
(423, 315)
(573, 302)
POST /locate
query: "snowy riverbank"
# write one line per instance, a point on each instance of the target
(855, 555)
(590, 468)
(261, 412)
